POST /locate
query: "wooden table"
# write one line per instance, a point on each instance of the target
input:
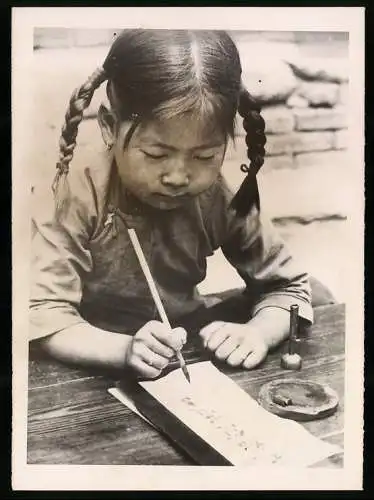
(74, 420)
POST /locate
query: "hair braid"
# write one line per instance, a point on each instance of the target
(254, 126)
(79, 101)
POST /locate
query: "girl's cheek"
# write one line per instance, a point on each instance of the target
(147, 175)
(204, 178)
(208, 171)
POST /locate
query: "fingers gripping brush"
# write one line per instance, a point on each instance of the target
(153, 289)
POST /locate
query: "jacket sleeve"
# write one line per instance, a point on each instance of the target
(272, 276)
(60, 257)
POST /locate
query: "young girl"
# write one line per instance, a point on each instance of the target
(173, 96)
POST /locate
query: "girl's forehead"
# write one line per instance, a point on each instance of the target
(186, 130)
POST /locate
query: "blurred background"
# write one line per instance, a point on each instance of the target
(301, 79)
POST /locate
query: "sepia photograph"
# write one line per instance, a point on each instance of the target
(188, 220)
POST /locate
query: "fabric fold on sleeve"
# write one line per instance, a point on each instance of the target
(251, 244)
(60, 256)
(285, 301)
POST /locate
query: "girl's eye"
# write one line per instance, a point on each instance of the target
(205, 158)
(153, 156)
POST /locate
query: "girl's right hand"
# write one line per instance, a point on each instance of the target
(152, 347)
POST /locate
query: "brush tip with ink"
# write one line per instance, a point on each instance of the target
(183, 366)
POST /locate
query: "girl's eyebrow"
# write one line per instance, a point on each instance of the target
(172, 148)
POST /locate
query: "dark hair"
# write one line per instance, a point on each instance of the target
(163, 73)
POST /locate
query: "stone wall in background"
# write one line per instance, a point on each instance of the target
(304, 102)
(304, 105)
(52, 38)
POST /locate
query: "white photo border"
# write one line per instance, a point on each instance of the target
(96, 477)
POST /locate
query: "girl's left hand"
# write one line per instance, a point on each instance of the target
(235, 343)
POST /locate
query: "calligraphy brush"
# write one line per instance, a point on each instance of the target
(153, 289)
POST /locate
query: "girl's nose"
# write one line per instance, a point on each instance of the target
(175, 179)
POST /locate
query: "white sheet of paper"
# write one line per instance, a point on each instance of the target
(231, 421)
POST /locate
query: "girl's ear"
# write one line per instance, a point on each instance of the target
(108, 125)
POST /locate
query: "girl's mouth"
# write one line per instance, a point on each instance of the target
(170, 201)
(178, 197)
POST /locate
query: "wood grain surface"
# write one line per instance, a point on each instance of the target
(72, 419)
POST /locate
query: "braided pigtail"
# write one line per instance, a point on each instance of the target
(254, 126)
(79, 101)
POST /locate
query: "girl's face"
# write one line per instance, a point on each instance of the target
(167, 163)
